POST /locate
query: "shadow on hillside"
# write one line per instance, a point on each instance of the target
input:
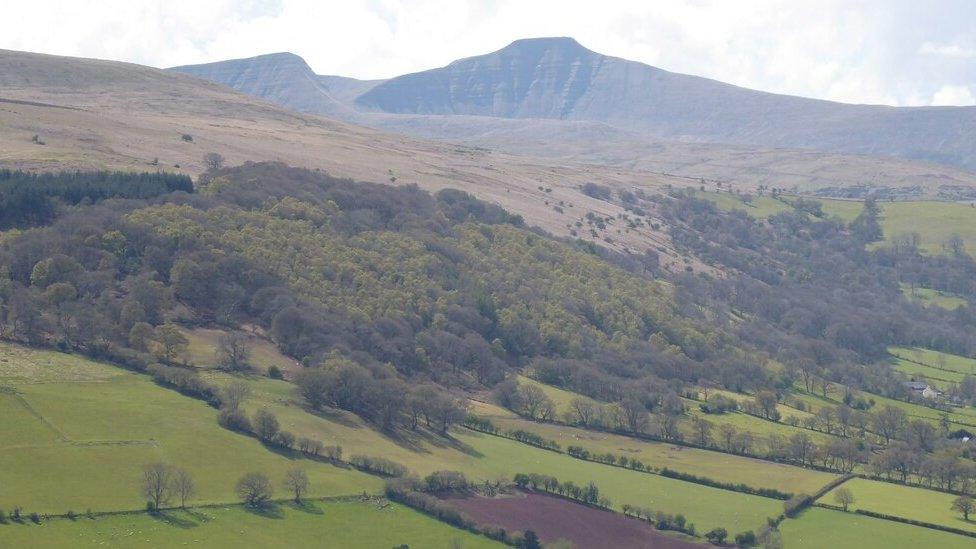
(335, 416)
(407, 439)
(174, 518)
(268, 510)
(454, 444)
(306, 507)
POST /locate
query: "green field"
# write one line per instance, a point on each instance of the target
(928, 297)
(817, 528)
(757, 426)
(706, 507)
(939, 378)
(560, 397)
(846, 210)
(715, 465)
(203, 346)
(315, 524)
(934, 221)
(935, 359)
(741, 421)
(760, 206)
(80, 438)
(958, 417)
(486, 457)
(904, 501)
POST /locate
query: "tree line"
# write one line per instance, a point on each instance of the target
(29, 199)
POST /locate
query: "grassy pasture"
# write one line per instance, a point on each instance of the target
(560, 397)
(759, 207)
(420, 452)
(741, 421)
(904, 501)
(934, 221)
(82, 444)
(486, 457)
(706, 507)
(755, 425)
(958, 417)
(715, 465)
(929, 297)
(935, 376)
(936, 359)
(203, 348)
(331, 524)
(816, 528)
(846, 210)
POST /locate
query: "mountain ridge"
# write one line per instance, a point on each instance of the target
(539, 127)
(559, 78)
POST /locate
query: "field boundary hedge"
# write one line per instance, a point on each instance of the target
(665, 472)
(92, 515)
(903, 520)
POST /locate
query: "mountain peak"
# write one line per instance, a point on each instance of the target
(547, 42)
(558, 46)
(282, 58)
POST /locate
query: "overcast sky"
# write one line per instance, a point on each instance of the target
(874, 51)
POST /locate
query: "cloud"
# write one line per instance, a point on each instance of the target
(949, 95)
(948, 50)
(896, 52)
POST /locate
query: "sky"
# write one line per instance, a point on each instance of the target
(893, 52)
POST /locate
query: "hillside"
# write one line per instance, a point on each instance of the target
(91, 114)
(553, 98)
(396, 315)
(559, 78)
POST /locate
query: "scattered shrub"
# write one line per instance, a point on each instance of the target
(235, 420)
(445, 481)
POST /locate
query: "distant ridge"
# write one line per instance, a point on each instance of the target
(553, 97)
(560, 79)
(283, 78)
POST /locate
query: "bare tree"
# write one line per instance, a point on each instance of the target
(703, 430)
(956, 245)
(533, 399)
(157, 484)
(889, 422)
(766, 401)
(213, 161)
(728, 433)
(234, 395)
(233, 352)
(581, 411)
(183, 486)
(634, 415)
(254, 489)
(296, 482)
(964, 505)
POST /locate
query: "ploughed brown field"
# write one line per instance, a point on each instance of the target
(555, 519)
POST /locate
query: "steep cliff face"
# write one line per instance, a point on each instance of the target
(558, 78)
(282, 78)
(539, 78)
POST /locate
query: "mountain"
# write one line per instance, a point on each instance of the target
(558, 78)
(92, 114)
(554, 98)
(282, 78)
